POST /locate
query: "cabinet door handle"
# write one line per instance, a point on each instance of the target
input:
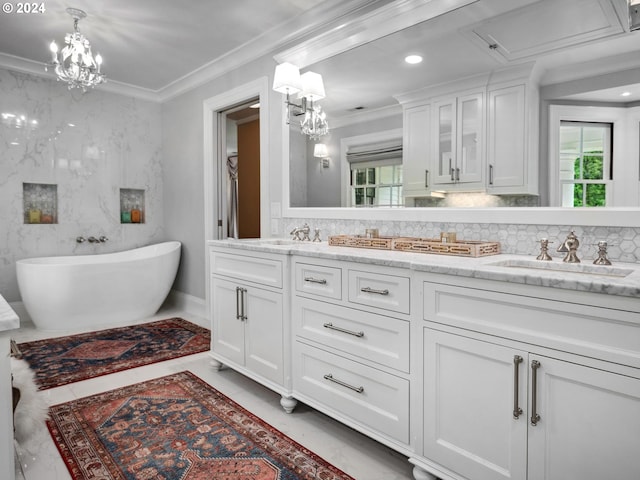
(244, 304)
(426, 179)
(238, 303)
(457, 174)
(517, 411)
(331, 326)
(321, 281)
(373, 290)
(329, 377)
(535, 418)
(490, 174)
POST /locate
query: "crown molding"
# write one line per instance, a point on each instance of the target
(37, 69)
(306, 24)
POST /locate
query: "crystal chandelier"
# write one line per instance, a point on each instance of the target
(314, 124)
(75, 63)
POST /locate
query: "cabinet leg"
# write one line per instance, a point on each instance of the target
(420, 474)
(216, 364)
(288, 403)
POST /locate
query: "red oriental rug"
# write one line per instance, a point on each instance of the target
(176, 427)
(63, 360)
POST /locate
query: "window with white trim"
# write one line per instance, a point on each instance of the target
(376, 175)
(586, 167)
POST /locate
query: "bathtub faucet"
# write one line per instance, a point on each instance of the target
(93, 239)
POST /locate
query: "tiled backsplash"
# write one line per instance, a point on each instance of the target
(624, 243)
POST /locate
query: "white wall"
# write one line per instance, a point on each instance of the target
(182, 144)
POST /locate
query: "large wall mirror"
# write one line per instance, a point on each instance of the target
(585, 57)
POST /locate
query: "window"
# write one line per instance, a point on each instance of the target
(376, 185)
(585, 163)
(376, 173)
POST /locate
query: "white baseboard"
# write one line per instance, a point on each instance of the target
(182, 301)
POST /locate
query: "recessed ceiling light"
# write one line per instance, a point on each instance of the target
(413, 59)
(625, 94)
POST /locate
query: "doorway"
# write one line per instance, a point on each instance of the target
(215, 157)
(240, 176)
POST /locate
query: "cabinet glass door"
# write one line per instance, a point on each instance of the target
(445, 143)
(468, 165)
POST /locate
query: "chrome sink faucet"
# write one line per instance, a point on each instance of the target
(301, 233)
(570, 247)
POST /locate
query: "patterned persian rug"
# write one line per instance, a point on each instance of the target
(176, 427)
(63, 360)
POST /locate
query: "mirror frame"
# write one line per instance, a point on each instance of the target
(369, 27)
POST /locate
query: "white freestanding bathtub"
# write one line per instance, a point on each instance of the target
(95, 290)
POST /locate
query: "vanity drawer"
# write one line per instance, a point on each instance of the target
(388, 292)
(265, 271)
(319, 280)
(376, 399)
(375, 338)
(605, 333)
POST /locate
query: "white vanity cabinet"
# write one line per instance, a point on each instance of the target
(351, 346)
(249, 315)
(518, 384)
(458, 155)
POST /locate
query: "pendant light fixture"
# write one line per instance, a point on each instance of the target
(75, 63)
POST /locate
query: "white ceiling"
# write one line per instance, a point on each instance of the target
(159, 46)
(151, 44)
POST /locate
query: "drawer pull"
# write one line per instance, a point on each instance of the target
(535, 418)
(343, 330)
(517, 411)
(373, 290)
(329, 377)
(321, 281)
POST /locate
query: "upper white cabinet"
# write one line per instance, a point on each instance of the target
(418, 174)
(512, 137)
(458, 154)
(479, 134)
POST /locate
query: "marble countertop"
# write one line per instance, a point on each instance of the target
(618, 279)
(9, 320)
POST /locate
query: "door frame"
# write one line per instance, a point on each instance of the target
(212, 156)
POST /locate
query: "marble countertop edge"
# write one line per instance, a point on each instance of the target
(502, 267)
(9, 320)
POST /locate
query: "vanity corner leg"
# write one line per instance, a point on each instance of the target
(288, 403)
(420, 474)
(216, 364)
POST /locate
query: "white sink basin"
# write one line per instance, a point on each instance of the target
(584, 269)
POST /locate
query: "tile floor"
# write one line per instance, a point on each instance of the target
(347, 449)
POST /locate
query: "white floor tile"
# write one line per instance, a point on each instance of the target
(347, 449)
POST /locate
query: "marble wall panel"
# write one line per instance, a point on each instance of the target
(89, 145)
